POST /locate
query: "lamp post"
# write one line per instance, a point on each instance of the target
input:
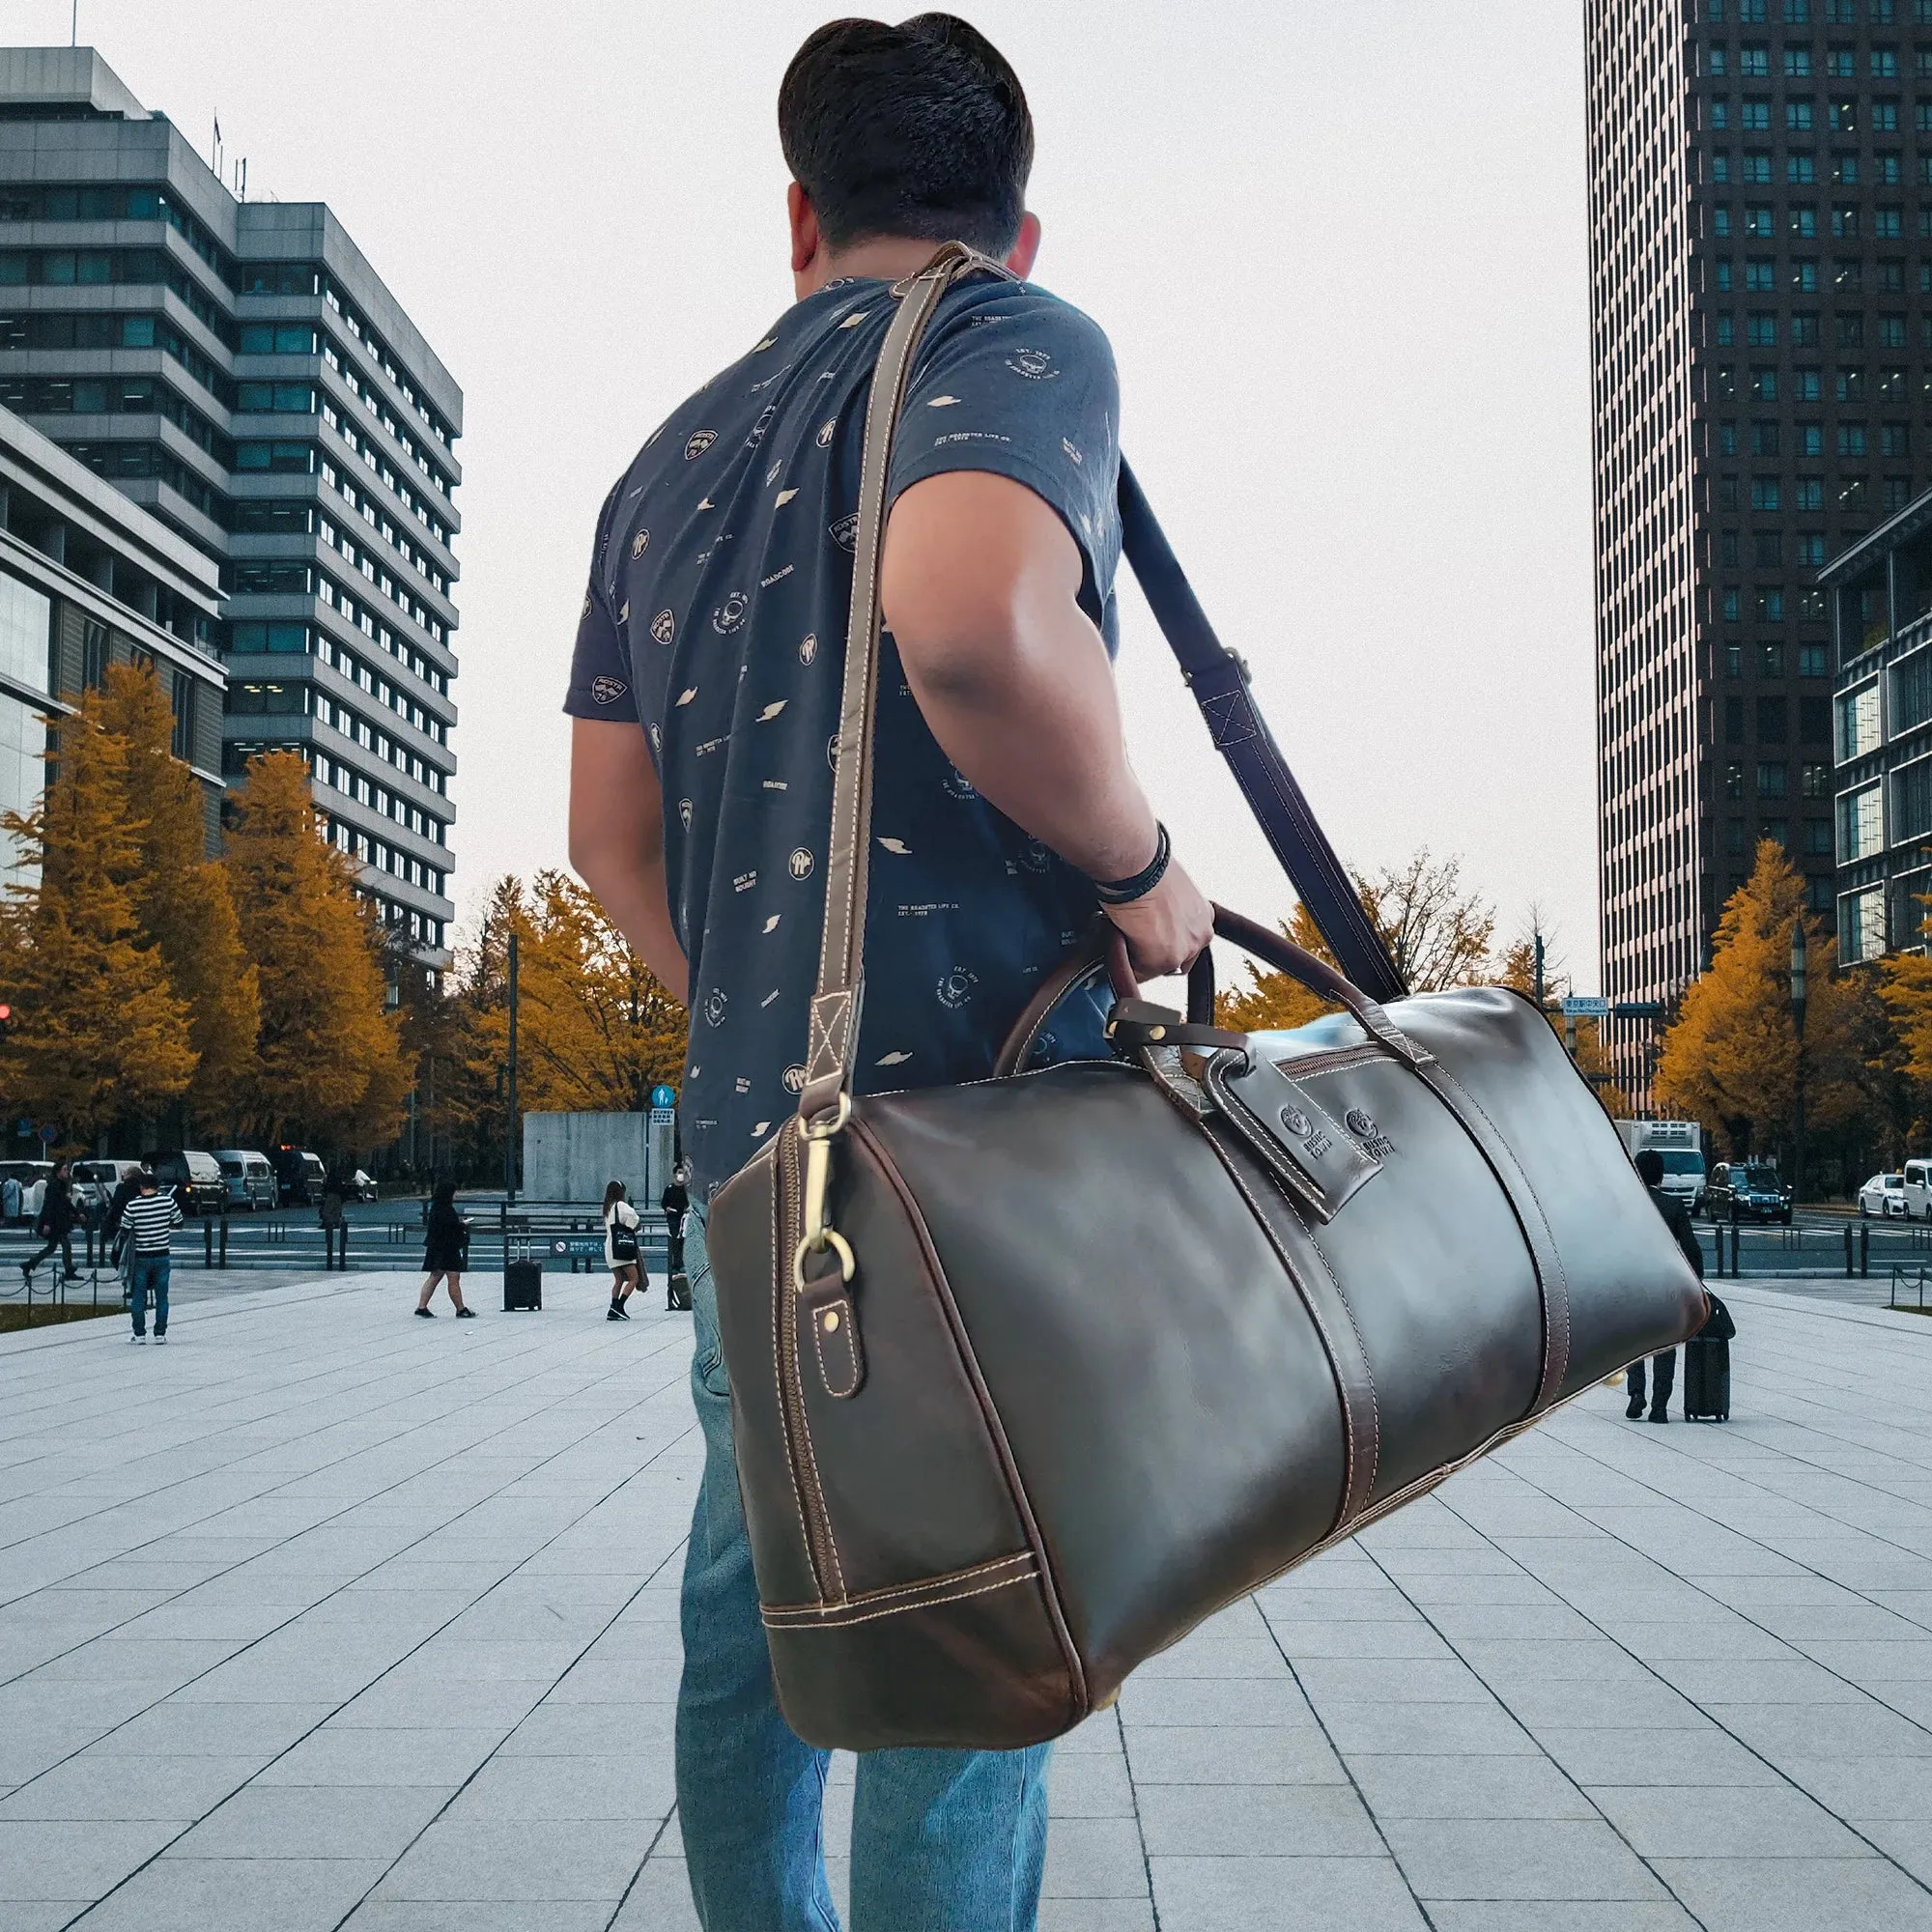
(1797, 990)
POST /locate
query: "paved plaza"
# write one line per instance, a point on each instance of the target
(323, 1616)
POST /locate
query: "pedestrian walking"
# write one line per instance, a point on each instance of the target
(1663, 1367)
(445, 1253)
(332, 1213)
(150, 1218)
(624, 1254)
(55, 1225)
(675, 1201)
(705, 699)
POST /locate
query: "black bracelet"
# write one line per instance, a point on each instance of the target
(1124, 892)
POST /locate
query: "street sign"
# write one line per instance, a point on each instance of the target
(576, 1247)
(1638, 1010)
(663, 1096)
(1587, 1006)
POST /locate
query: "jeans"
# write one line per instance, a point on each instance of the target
(1663, 1378)
(942, 1840)
(145, 1272)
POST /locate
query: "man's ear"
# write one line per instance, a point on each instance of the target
(1020, 256)
(807, 242)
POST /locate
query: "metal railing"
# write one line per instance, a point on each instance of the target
(1915, 1278)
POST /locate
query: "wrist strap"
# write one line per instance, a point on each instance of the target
(1124, 892)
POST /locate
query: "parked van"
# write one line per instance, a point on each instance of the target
(195, 1178)
(247, 1177)
(299, 1176)
(1918, 1190)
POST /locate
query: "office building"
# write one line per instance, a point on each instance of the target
(1760, 196)
(88, 579)
(1880, 591)
(239, 369)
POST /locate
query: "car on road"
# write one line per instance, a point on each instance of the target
(248, 1179)
(1918, 1190)
(1883, 1197)
(1748, 1190)
(95, 1183)
(300, 1175)
(195, 1176)
(363, 1185)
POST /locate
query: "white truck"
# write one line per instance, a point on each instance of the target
(1681, 1144)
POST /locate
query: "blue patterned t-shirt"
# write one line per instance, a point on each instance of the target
(716, 620)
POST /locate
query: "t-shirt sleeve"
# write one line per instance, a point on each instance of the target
(600, 669)
(1025, 388)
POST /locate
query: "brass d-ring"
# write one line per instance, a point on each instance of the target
(832, 1239)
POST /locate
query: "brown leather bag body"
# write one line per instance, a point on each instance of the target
(1030, 1376)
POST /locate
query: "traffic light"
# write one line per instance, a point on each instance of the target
(6, 1019)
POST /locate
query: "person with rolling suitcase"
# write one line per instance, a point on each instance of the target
(675, 1201)
(1663, 1367)
(1707, 1368)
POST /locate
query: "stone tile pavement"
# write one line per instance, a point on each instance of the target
(326, 1617)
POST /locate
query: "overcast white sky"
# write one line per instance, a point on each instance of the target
(1340, 249)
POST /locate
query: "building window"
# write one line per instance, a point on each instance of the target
(1805, 223)
(1798, 113)
(1727, 327)
(1851, 332)
(26, 634)
(1734, 721)
(1720, 115)
(1842, 63)
(1805, 384)
(1771, 664)
(1805, 279)
(1845, 170)
(1771, 774)
(1764, 385)
(1885, 62)
(1816, 779)
(1773, 728)
(1813, 660)
(1851, 438)
(1897, 494)
(1912, 800)
(1860, 824)
(1734, 660)
(1764, 439)
(1845, 223)
(1892, 331)
(1721, 217)
(1778, 831)
(1721, 270)
(1858, 723)
(1729, 603)
(1765, 494)
(1888, 223)
(94, 654)
(1809, 493)
(1734, 780)
(1767, 548)
(1851, 385)
(1758, 222)
(1768, 607)
(1810, 440)
(1734, 837)
(1727, 550)
(1852, 496)
(1810, 549)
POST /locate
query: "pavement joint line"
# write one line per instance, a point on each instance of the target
(1139, 1823)
(450, 1456)
(650, 1851)
(603, 1631)
(453, 1375)
(162, 1851)
(1456, 1650)
(1703, 1710)
(1348, 1770)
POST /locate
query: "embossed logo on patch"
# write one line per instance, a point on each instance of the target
(1364, 1129)
(1319, 1143)
(1295, 1120)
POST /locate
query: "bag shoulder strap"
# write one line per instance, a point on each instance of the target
(1217, 676)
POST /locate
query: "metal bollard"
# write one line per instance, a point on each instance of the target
(1848, 1249)
(224, 1241)
(343, 1235)
(206, 1243)
(1864, 1251)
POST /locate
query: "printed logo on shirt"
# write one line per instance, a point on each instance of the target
(640, 542)
(763, 424)
(698, 441)
(794, 1078)
(970, 436)
(845, 532)
(955, 785)
(715, 1003)
(684, 813)
(955, 990)
(807, 647)
(800, 864)
(827, 430)
(1035, 364)
(664, 627)
(831, 751)
(731, 614)
(607, 689)
(1035, 856)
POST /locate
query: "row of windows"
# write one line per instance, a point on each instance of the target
(1808, 385)
(1753, 169)
(354, 320)
(133, 461)
(1846, 277)
(1813, 660)
(95, 330)
(1800, 115)
(372, 568)
(1845, 223)
(1770, 605)
(377, 798)
(1804, 330)
(283, 577)
(1807, 439)
(1802, 13)
(371, 455)
(353, 726)
(1852, 496)
(253, 636)
(1773, 778)
(371, 511)
(1774, 722)
(285, 517)
(1842, 63)
(1768, 550)
(1816, 834)
(115, 395)
(21, 201)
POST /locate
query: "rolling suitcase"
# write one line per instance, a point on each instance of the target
(523, 1285)
(1707, 1368)
(677, 1291)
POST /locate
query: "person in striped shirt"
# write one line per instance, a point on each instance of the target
(151, 1219)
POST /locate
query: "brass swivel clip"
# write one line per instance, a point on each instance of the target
(818, 1135)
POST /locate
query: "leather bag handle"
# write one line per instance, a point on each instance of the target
(1106, 953)
(1217, 678)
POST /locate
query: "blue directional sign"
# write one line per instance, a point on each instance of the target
(663, 1096)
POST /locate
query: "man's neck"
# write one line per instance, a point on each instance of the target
(888, 258)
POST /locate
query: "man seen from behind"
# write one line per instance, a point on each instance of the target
(150, 1218)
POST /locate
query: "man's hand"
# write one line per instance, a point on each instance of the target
(1168, 929)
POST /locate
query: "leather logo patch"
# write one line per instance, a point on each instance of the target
(1295, 1120)
(1364, 1129)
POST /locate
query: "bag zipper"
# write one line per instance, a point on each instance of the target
(791, 1387)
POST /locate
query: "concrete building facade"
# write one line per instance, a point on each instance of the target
(241, 371)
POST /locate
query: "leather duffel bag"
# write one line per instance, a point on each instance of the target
(1030, 1376)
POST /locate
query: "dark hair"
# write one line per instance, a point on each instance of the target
(445, 1194)
(612, 1194)
(1650, 1164)
(918, 129)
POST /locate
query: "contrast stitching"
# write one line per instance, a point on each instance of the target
(817, 1482)
(852, 1354)
(885, 1596)
(1368, 1373)
(840, 1619)
(1321, 1326)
